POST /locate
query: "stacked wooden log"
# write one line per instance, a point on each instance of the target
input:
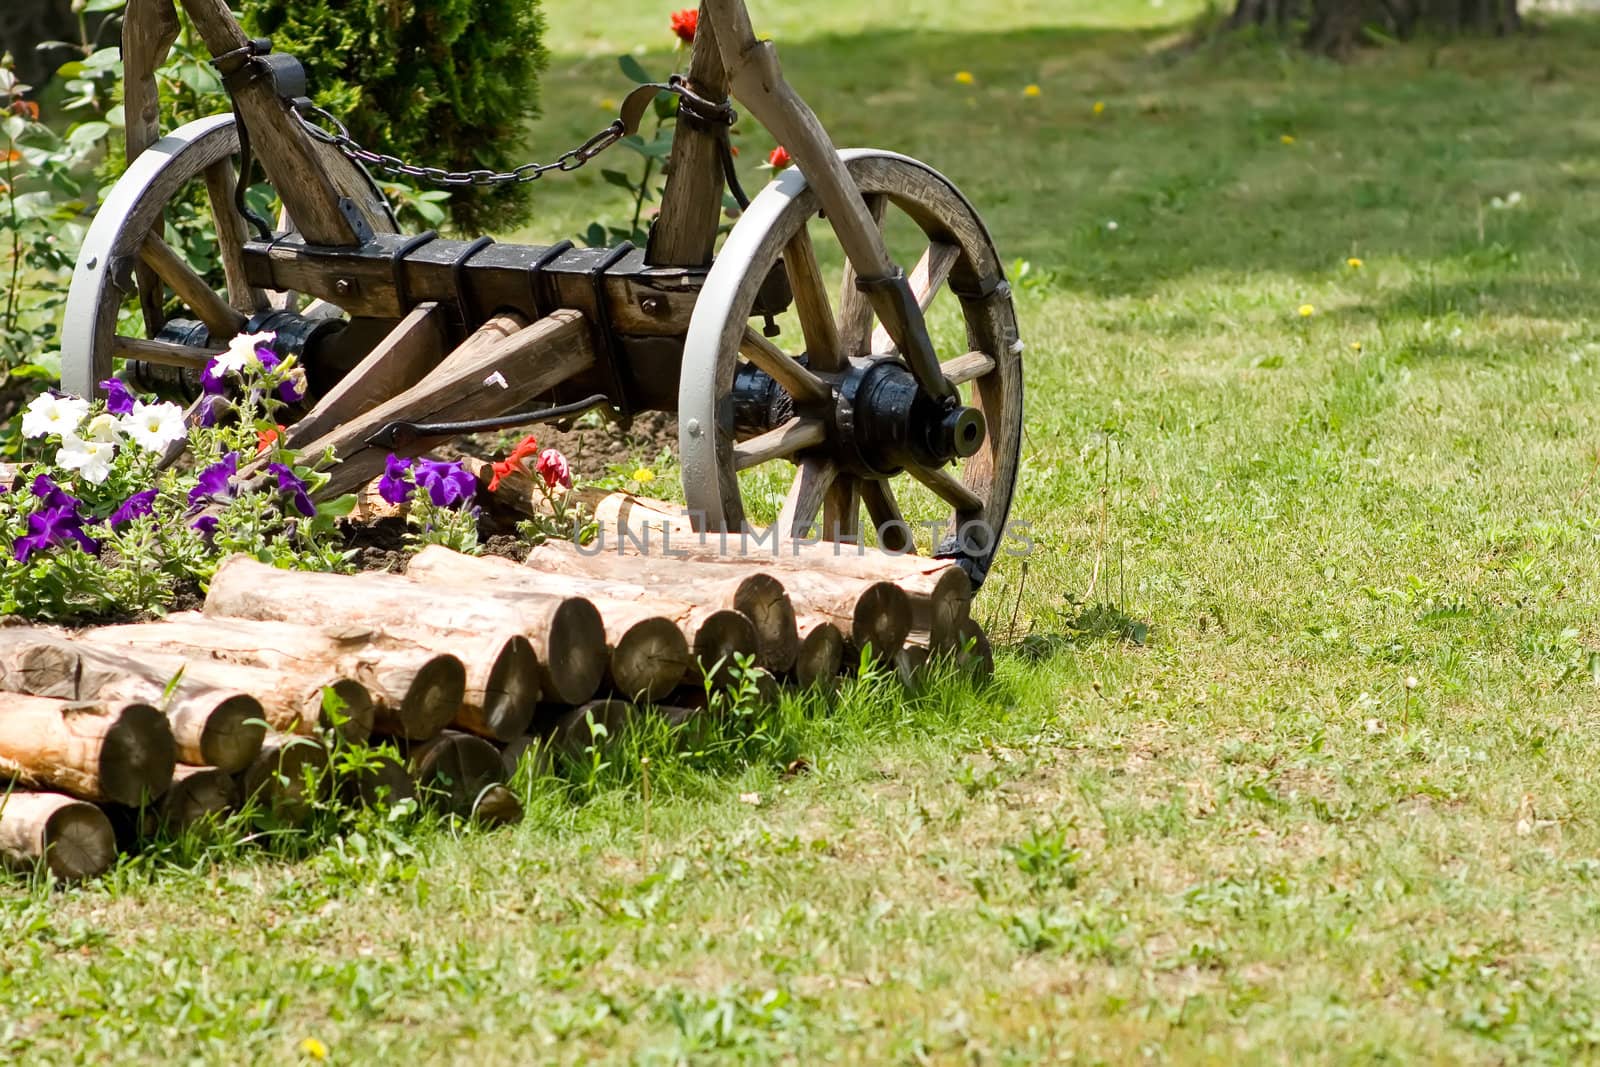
(465, 663)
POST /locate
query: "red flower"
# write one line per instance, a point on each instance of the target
(685, 22)
(26, 108)
(552, 466)
(525, 448)
(779, 158)
(265, 439)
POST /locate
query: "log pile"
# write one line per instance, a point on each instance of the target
(467, 664)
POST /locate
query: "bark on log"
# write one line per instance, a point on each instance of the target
(868, 613)
(286, 777)
(73, 839)
(213, 723)
(567, 634)
(454, 769)
(821, 653)
(707, 635)
(758, 595)
(118, 752)
(647, 654)
(286, 667)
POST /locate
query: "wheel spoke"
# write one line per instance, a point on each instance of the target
(969, 367)
(811, 302)
(810, 486)
(220, 318)
(800, 382)
(884, 511)
(855, 310)
(231, 236)
(947, 487)
(786, 440)
(927, 278)
(163, 353)
(841, 510)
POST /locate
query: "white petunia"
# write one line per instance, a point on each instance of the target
(48, 414)
(241, 351)
(103, 428)
(154, 426)
(91, 459)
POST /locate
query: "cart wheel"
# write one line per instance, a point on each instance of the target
(126, 258)
(836, 402)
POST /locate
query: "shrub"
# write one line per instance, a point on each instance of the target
(447, 83)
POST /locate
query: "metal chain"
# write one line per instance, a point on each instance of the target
(313, 117)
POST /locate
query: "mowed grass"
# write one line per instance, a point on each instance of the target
(1341, 805)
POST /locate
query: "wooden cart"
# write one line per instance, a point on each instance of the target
(412, 339)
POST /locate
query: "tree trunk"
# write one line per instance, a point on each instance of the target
(567, 633)
(256, 659)
(74, 839)
(215, 721)
(1335, 27)
(414, 692)
(706, 635)
(117, 752)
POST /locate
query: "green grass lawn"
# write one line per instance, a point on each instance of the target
(1340, 805)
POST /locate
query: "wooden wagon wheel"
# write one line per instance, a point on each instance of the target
(126, 234)
(852, 431)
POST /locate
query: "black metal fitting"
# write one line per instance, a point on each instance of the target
(892, 423)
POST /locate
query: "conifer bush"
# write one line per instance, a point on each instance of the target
(446, 83)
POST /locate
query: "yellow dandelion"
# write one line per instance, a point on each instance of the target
(964, 77)
(1099, 107)
(1287, 139)
(314, 1048)
(1355, 346)
(644, 475)
(1033, 90)
(1354, 263)
(1306, 311)
(608, 104)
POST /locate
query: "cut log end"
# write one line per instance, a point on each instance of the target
(722, 636)
(454, 769)
(380, 783)
(74, 839)
(512, 690)
(353, 717)
(762, 598)
(497, 806)
(138, 757)
(947, 607)
(881, 620)
(649, 660)
(198, 795)
(232, 734)
(576, 661)
(285, 776)
(821, 655)
(425, 698)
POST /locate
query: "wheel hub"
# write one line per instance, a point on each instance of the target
(879, 420)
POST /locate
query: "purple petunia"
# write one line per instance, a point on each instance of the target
(54, 496)
(394, 486)
(211, 378)
(136, 506)
(119, 400)
(447, 484)
(295, 486)
(206, 525)
(216, 480)
(53, 526)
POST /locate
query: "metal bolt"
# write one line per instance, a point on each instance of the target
(693, 426)
(344, 286)
(653, 305)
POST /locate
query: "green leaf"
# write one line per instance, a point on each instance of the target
(337, 508)
(105, 5)
(619, 179)
(632, 69)
(595, 235)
